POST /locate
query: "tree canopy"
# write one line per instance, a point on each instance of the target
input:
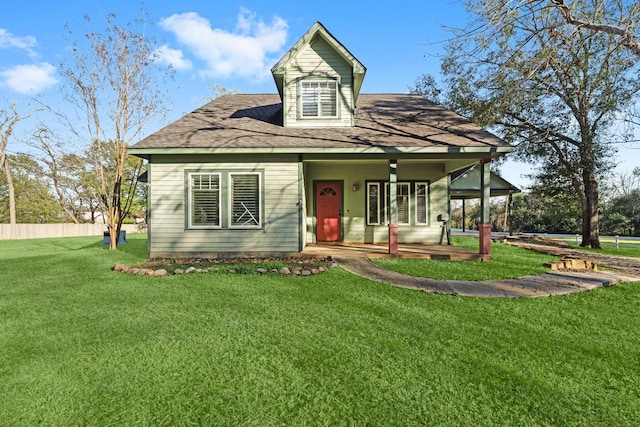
(112, 81)
(561, 93)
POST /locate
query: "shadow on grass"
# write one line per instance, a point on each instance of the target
(135, 245)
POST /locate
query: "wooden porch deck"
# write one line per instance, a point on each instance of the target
(405, 250)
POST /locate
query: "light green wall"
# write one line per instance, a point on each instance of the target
(318, 61)
(354, 209)
(281, 210)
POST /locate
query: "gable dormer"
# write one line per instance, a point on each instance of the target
(318, 80)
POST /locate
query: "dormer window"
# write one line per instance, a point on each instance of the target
(319, 98)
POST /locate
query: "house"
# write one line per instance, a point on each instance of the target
(249, 175)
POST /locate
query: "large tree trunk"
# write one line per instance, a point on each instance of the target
(590, 231)
(12, 192)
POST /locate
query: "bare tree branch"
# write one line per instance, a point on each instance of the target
(627, 38)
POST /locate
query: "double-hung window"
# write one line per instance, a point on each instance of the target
(402, 202)
(244, 196)
(319, 98)
(224, 199)
(412, 207)
(402, 198)
(204, 200)
(374, 200)
(422, 203)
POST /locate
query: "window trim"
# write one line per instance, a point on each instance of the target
(225, 198)
(412, 202)
(319, 115)
(408, 196)
(378, 210)
(426, 202)
(190, 201)
(230, 223)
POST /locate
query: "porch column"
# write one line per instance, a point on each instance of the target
(464, 214)
(393, 207)
(485, 219)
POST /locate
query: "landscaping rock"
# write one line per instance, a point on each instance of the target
(307, 267)
(573, 264)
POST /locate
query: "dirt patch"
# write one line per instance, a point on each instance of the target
(626, 265)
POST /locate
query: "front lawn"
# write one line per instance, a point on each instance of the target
(506, 262)
(82, 345)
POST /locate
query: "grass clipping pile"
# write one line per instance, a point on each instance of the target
(297, 266)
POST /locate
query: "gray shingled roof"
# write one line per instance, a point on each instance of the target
(382, 121)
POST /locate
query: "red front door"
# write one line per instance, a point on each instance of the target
(328, 211)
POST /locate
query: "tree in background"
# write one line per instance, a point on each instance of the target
(70, 175)
(621, 211)
(218, 91)
(555, 90)
(8, 120)
(112, 81)
(34, 202)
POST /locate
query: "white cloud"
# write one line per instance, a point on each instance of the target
(173, 57)
(26, 43)
(243, 52)
(30, 78)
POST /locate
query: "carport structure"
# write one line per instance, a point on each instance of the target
(467, 184)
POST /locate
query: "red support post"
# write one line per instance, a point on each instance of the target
(485, 239)
(393, 239)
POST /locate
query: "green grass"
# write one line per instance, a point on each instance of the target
(81, 345)
(506, 262)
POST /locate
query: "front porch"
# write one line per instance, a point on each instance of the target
(405, 250)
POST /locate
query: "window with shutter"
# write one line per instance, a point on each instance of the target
(403, 203)
(204, 193)
(244, 200)
(319, 98)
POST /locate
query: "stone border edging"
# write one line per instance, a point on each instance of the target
(161, 272)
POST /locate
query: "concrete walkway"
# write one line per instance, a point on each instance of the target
(555, 283)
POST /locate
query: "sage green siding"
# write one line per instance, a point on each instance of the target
(280, 232)
(318, 61)
(354, 224)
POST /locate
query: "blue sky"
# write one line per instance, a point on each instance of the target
(234, 44)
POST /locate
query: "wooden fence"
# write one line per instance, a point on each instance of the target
(38, 231)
